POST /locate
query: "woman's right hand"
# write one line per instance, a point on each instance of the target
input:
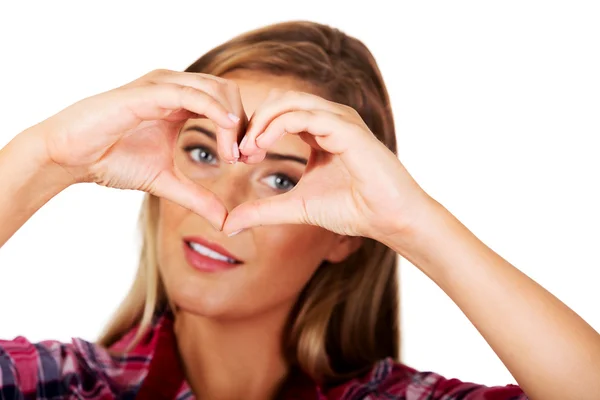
(125, 138)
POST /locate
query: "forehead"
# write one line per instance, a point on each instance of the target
(255, 87)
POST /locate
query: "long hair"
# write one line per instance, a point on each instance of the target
(346, 317)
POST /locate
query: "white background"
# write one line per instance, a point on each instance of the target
(497, 108)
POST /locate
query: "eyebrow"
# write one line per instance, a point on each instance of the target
(269, 155)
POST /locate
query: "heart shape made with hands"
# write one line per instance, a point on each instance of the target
(342, 188)
(315, 199)
(324, 180)
(128, 143)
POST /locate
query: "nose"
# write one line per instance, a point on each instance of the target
(231, 186)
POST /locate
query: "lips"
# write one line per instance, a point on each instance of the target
(207, 256)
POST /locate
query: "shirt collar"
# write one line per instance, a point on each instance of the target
(166, 380)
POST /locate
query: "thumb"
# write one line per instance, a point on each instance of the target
(281, 209)
(179, 189)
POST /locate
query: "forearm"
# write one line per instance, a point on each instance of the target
(549, 349)
(28, 180)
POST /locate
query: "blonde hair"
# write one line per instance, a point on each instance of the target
(346, 317)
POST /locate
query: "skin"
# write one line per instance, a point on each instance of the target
(551, 352)
(230, 322)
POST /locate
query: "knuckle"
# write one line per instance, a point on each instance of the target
(212, 85)
(308, 115)
(188, 91)
(220, 83)
(356, 116)
(350, 111)
(311, 120)
(158, 73)
(290, 94)
(214, 78)
(305, 215)
(189, 94)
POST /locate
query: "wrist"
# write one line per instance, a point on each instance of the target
(436, 242)
(412, 236)
(28, 180)
(40, 166)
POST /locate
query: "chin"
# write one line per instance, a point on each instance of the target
(206, 302)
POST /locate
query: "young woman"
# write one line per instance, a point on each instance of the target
(268, 266)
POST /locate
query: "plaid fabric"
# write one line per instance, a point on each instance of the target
(83, 370)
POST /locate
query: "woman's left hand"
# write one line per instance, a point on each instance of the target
(352, 185)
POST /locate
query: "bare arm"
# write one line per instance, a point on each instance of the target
(104, 138)
(549, 349)
(28, 180)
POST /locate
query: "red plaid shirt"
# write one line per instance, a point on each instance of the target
(151, 370)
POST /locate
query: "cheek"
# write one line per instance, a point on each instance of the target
(292, 252)
(170, 218)
(280, 261)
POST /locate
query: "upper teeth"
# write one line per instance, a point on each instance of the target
(205, 251)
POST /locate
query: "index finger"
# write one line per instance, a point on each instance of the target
(279, 103)
(151, 102)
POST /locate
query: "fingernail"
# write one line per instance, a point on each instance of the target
(243, 142)
(235, 151)
(235, 233)
(233, 117)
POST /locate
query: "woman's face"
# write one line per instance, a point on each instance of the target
(261, 269)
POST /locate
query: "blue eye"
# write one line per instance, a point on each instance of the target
(201, 154)
(280, 182)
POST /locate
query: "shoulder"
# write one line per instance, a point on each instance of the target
(52, 369)
(82, 369)
(391, 378)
